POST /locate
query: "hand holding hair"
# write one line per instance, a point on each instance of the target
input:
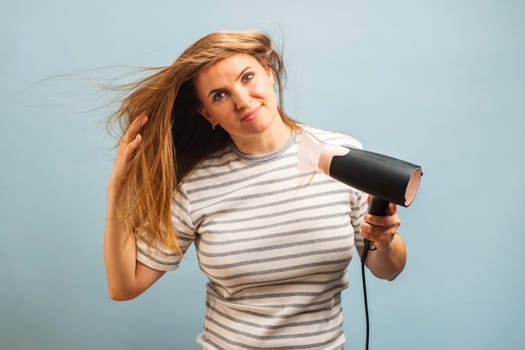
(127, 149)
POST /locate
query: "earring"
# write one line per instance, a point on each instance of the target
(213, 125)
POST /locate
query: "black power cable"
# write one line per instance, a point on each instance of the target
(377, 206)
(366, 249)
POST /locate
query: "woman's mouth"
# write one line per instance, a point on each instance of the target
(251, 115)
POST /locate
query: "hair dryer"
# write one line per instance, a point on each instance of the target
(385, 178)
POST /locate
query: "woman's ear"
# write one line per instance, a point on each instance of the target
(206, 116)
(203, 113)
(272, 79)
(268, 68)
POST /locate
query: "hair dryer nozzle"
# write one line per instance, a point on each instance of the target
(381, 176)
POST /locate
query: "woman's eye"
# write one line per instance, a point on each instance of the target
(219, 96)
(247, 77)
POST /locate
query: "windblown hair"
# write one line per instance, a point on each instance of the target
(176, 138)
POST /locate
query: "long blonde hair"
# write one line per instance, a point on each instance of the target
(176, 138)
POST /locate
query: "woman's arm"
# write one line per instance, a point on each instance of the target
(389, 259)
(126, 277)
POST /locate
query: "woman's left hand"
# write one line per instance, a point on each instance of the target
(381, 229)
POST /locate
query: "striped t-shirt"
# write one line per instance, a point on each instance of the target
(275, 244)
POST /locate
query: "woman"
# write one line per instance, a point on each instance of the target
(209, 157)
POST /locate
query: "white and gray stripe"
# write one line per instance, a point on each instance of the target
(275, 244)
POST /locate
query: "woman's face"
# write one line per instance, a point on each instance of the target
(237, 93)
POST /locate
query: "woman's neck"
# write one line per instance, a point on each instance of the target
(267, 141)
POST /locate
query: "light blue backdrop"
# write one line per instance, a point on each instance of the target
(440, 83)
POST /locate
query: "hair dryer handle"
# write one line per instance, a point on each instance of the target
(378, 206)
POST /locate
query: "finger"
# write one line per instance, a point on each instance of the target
(124, 160)
(377, 230)
(392, 208)
(383, 221)
(131, 148)
(135, 127)
(369, 233)
(380, 236)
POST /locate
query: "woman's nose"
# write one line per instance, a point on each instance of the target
(241, 98)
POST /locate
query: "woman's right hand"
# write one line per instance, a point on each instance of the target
(127, 149)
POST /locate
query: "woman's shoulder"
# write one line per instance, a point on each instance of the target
(333, 137)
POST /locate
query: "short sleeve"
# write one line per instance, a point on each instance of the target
(160, 257)
(359, 206)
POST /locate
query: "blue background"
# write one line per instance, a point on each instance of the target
(439, 83)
